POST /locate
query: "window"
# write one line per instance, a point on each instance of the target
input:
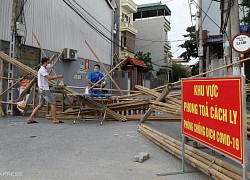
(122, 42)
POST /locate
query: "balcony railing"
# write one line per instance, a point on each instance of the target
(129, 5)
(167, 46)
(124, 53)
(126, 26)
(167, 25)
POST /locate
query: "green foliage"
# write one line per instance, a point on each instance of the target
(195, 69)
(179, 71)
(161, 71)
(246, 18)
(190, 45)
(145, 57)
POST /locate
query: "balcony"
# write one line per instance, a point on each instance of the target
(129, 5)
(167, 46)
(126, 26)
(124, 53)
(167, 25)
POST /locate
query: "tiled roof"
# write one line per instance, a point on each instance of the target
(135, 62)
(179, 60)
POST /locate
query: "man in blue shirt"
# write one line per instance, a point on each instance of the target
(93, 78)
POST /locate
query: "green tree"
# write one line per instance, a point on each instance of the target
(195, 69)
(246, 18)
(179, 71)
(190, 45)
(145, 57)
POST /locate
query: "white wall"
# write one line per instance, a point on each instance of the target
(214, 13)
(57, 26)
(152, 28)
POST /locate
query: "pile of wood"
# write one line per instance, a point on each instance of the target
(206, 163)
(33, 73)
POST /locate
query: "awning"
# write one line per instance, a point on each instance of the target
(134, 62)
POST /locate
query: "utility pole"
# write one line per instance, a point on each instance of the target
(13, 49)
(235, 29)
(1, 82)
(200, 46)
(226, 39)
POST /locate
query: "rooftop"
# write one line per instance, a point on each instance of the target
(134, 62)
(152, 10)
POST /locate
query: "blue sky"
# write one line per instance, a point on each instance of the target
(180, 19)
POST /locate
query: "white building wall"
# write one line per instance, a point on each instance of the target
(57, 26)
(151, 29)
(212, 10)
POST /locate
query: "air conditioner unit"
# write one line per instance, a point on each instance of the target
(69, 54)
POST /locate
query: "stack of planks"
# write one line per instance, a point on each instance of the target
(206, 163)
(33, 73)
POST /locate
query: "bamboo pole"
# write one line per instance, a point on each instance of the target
(147, 91)
(154, 118)
(83, 87)
(165, 110)
(39, 44)
(130, 102)
(177, 82)
(160, 98)
(57, 59)
(6, 78)
(208, 169)
(30, 70)
(107, 74)
(111, 113)
(216, 69)
(165, 105)
(27, 89)
(12, 86)
(104, 67)
(219, 162)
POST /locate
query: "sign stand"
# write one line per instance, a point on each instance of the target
(212, 118)
(182, 163)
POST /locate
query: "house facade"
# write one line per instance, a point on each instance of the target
(153, 28)
(57, 25)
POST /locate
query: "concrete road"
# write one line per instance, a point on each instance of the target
(84, 150)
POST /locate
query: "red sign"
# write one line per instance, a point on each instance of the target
(212, 113)
(86, 64)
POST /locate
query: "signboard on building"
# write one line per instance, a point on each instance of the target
(212, 113)
(86, 64)
(241, 43)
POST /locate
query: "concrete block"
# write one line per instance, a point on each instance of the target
(142, 156)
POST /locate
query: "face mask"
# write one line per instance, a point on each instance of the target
(49, 66)
(96, 70)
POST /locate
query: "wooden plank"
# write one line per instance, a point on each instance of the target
(160, 98)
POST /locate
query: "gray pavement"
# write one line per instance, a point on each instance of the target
(84, 150)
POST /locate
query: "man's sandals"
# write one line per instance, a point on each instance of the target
(58, 122)
(31, 122)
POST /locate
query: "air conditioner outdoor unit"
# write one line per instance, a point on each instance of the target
(69, 54)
